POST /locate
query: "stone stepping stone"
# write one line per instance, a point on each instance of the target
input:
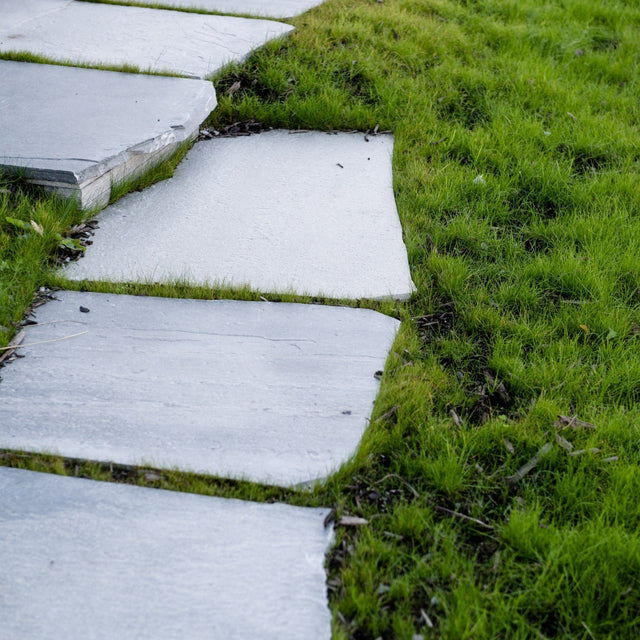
(306, 213)
(187, 44)
(262, 8)
(276, 393)
(77, 131)
(85, 559)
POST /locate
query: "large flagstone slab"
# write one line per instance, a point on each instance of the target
(262, 8)
(275, 393)
(77, 131)
(84, 559)
(309, 213)
(187, 44)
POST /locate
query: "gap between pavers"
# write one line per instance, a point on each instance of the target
(309, 213)
(86, 559)
(275, 393)
(188, 44)
(78, 131)
(258, 8)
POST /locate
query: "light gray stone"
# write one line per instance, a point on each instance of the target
(275, 393)
(84, 559)
(77, 131)
(261, 8)
(305, 213)
(187, 44)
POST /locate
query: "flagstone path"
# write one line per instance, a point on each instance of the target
(77, 131)
(187, 44)
(84, 559)
(309, 213)
(276, 393)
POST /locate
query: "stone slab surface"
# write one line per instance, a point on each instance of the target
(280, 212)
(187, 44)
(276, 393)
(78, 130)
(84, 559)
(261, 8)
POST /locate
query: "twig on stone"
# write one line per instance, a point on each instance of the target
(12, 346)
(31, 344)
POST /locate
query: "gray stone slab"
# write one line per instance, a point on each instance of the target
(77, 131)
(261, 8)
(308, 213)
(84, 559)
(275, 393)
(188, 44)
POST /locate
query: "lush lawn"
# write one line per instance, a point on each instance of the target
(516, 177)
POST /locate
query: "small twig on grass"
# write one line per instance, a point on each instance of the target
(524, 470)
(406, 484)
(462, 516)
(583, 451)
(387, 414)
(564, 443)
(584, 624)
(427, 620)
(564, 422)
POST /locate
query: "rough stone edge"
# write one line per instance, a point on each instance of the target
(92, 187)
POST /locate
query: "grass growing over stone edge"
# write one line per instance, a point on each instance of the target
(25, 56)
(516, 177)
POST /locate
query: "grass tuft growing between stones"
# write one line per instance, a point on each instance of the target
(500, 473)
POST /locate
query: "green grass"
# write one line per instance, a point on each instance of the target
(527, 308)
(25, 56)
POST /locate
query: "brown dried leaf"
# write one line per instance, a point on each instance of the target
(234, 87)
(331, 516)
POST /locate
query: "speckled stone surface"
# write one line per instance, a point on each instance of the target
(276, 393)
(84, 559)
(280, 212)
(187, 44)
(260, 8)
(76, 131)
